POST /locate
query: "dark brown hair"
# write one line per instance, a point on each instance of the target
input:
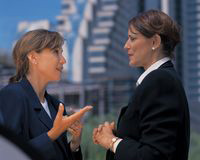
(35, 40)
(154, 22)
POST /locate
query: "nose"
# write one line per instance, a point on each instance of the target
(62, 60)
(126, 45)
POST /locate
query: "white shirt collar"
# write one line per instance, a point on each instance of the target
(46, 107)
(153, 67)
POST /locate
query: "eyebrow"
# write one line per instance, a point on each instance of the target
(131, 32)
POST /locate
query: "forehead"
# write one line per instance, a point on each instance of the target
(132, 31)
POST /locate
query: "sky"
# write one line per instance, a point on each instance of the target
(14, 11)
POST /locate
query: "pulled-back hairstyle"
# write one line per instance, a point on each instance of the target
(35, 40)
(154, 22)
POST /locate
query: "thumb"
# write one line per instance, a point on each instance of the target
(59, 115)
(84, 110)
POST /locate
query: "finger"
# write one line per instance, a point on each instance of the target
(112, 125)
(100, 128)
(85, 109)
(95, 131)
(77, 126)
(95, 141)
(73, 132)
(74, 127)
(94, 136)
(78, 123)
(59, 115)
(106, 124)
(76, 116)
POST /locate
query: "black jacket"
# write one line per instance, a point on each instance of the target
(155, 124)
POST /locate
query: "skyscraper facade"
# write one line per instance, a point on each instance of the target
(191, 48)
(96, 31)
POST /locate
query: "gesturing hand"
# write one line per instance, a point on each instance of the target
(61, 123)
(76, 131)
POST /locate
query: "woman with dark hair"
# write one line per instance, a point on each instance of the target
(155, 123)
(28, 109)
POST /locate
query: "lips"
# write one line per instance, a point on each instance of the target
(60, 69)
(130, 55)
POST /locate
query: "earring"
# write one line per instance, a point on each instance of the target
(153, 48)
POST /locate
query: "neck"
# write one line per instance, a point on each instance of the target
(154, 60)
(38, 85)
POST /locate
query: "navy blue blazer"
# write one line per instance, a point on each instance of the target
(23, 113)
(1, 118)
(155, 124)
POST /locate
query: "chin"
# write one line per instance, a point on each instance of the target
(56, 79)
(132, 64)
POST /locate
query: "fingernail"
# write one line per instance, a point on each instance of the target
(90, 107)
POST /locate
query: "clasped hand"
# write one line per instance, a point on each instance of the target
(103, 134)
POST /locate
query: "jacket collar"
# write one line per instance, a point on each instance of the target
(167, 64)
(163, 63)
(35, 103)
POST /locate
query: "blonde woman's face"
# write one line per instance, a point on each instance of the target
(50, 64)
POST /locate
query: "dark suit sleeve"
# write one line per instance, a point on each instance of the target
(44, 143)
(158, 104)
(1, 118)
(77, 155)
(14, 107)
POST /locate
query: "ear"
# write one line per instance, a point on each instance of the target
(32, 57)
(156, 41)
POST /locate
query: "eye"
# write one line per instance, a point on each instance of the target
(56, 51)
(132, 38)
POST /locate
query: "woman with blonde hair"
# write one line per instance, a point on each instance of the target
(26, 106)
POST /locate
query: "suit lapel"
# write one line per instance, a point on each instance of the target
(53, 107)
(42, 114)
(35, 103)
(123, 110)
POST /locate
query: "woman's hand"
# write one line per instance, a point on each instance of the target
(103, 134)
(76, 131)
(62, 123)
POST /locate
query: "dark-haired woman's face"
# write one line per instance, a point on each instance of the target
(50, 64)
(139, 49)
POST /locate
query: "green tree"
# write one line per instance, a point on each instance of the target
(194, 153)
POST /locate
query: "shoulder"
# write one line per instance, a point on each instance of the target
(161, 76)
(13, 102)
(13, 90)
(161, 79)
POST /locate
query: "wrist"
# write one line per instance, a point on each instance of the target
(74, 146)
(52, 135)
(113, 140)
